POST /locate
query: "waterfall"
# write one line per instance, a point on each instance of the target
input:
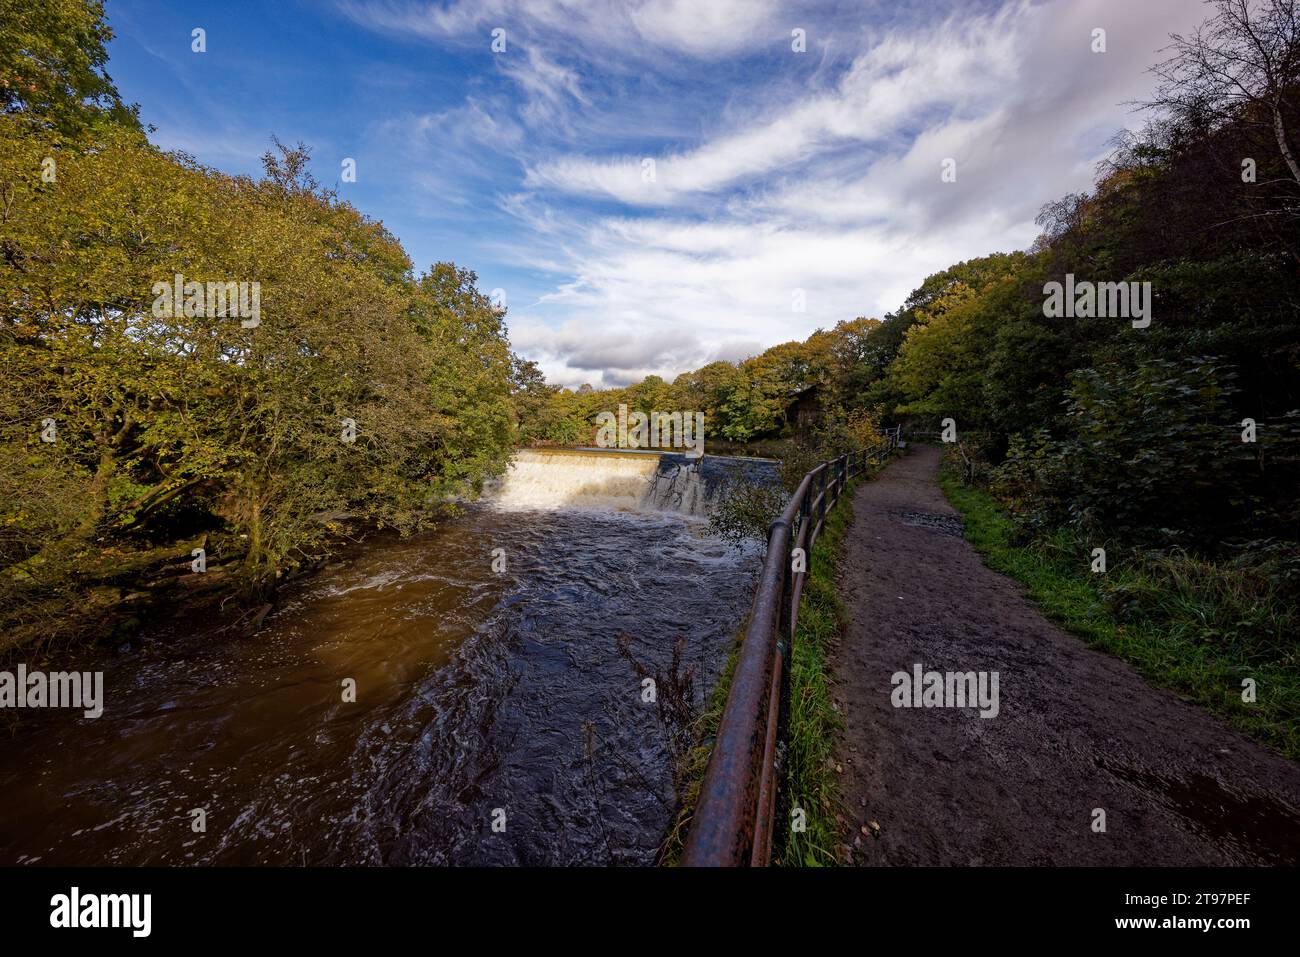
(618, 480)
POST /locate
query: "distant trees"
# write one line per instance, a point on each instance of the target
(706, 389)
(651, 394)
(741, 401)
(540, 417)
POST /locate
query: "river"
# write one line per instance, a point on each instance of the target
(499, 714)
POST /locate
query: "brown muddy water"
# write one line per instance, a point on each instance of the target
(482, 697)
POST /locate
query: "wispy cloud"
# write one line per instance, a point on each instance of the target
(957, 66)
(642, 28)
(780, 179)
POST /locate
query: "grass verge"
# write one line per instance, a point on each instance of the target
(1188, 634)
(810, 782)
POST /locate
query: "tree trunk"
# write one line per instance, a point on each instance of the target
(256, 570)
(1279, 130)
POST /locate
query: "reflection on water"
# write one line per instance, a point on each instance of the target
(476, 691)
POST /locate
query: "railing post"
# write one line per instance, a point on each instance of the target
(821, 505)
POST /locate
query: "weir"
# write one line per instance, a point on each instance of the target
(622, 480)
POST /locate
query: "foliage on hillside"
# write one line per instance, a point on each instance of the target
(131, 431)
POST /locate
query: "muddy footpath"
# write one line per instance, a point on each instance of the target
(1079, 739)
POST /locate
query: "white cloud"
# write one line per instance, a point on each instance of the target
(956, 67)
(705, 29)
(641, 28)
(826, 181)
(547, 86)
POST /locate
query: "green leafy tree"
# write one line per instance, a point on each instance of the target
(52, 66)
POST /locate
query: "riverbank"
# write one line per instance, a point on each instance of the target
(117, 595)
(809, 791)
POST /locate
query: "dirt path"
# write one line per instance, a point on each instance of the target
(1076, 729)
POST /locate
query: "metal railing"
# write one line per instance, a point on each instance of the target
(732, 824)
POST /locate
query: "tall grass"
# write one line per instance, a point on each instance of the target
(688, 773)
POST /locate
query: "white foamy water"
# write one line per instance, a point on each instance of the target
(637, 482)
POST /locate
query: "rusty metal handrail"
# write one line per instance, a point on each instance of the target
(732, 824)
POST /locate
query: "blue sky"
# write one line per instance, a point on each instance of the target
(781, 179)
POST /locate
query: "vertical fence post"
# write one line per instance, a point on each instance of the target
(805, 509)
(821, 507)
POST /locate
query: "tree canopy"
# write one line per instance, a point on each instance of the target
(136, 425)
